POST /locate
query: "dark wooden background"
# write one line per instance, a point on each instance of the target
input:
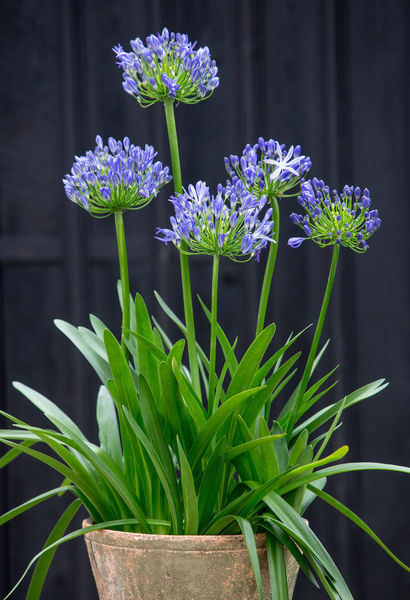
(330, 75)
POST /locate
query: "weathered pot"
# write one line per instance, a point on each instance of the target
(135, 566)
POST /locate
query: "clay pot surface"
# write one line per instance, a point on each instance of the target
(135, 566)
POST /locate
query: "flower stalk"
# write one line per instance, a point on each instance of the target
(316, 339)
(184, 262)
(125, 283)
(269, 269)
(212, 346)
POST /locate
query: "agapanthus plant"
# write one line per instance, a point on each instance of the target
(167, 66)
(185, 448)
(116, 177)
(228, 224)
(344, 219)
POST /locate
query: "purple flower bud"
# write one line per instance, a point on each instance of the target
(112, 144)
(307, 230)
(130, 86)
(99, 142)
(295, 219)
(105, 193)
(128, 176)
(295, 242)
(221, 240)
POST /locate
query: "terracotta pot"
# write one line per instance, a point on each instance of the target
(135, 566)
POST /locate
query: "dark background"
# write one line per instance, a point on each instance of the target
(332, 76)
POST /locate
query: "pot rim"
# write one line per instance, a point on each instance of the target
(170, 542)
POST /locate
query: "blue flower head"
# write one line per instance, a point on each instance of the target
(268, 168)
(344, 219)
(116, 177)
(228, 224)
(167, 66)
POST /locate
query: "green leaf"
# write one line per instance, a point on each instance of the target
(357, 520)
(277, 569)
(169, 487)
(343, 468)
(249, 538)
(176, 413)
(288, 543)
(250, 362)
(155, 431)
(247, 446)
(48, 408)
(148, 364)
(270, 462)
(40, 572)
(275, 360)
(321, 417)
(193, 403)
(280, 448)
(11, 514)
(298, 447)
(219, 393)
(99, 365)
(208, 431)
(12, 454)
(211, 482)
(176, 353)
(293, 524)
(275, 383)
(98, 326)
(223, 340)
(188, 494)
(108, 432)
(124, 382)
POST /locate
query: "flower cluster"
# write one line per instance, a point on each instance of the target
(343, 219)
(268, 168)
(116, 177)
(227, 224)
(167, 67)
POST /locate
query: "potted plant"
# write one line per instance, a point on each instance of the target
(202, 475)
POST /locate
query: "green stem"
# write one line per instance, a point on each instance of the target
(184, 263)
(125, 283)
(316, 339)
(212, 346)
(270, 266)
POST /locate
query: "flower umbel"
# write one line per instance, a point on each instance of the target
(343, 219)
(268, 168)
(168, 66)
(116, 177)
(227, 224)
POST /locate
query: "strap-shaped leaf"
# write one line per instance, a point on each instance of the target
(343, 468)
(193, 403)
(275, 380)
(223, 340)
(11, 514)
(249, 539)
(108, 432)
(219, 417)
(321, 417)
(289, 520)
(211, 483)
(357, 520)
(277, 569)
(176, 412)
(169, 487)
(250, 362)
(188, 494)
(99, 365)
(48, 408)
(148, 363)
(40, 572)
